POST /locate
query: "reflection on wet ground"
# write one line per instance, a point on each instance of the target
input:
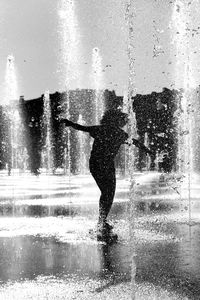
(30, 257)
(47, 251)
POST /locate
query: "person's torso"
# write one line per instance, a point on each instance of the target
(107, 141)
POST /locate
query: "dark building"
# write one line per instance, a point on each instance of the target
(156, 126)
(155, 122)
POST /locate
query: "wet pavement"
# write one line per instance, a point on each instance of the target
(48, 253)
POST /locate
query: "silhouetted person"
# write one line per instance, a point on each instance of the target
(108, 137)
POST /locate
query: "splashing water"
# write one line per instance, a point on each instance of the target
(98, 83)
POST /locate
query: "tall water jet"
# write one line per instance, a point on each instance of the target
(125, 109)
(181, 40)
(48, 157)
(69, 65)
(81, 150)
(130, 19)
(97, 73)
(11, 89)
(11, 109)
(183, 35)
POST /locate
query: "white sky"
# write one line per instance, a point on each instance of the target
(29, 30)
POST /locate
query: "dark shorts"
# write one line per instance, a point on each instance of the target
(101, 167)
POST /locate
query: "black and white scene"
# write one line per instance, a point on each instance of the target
(99, 149)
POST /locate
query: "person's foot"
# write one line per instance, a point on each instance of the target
(104, 227)
(105, 234)
(108, 226)
(107, 237)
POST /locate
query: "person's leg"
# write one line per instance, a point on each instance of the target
(107, 185)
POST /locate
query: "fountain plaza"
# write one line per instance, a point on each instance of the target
(48, 253)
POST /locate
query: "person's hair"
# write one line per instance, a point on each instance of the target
(113, 117)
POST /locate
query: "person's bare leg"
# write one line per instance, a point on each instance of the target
(106, 199)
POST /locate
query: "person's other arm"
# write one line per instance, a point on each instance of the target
(139, 145)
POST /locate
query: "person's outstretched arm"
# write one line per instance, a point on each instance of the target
(139, 145)
(76, 126)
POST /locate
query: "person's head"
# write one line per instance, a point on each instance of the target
(114, 117)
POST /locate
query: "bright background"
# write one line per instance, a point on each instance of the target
(29, 30)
